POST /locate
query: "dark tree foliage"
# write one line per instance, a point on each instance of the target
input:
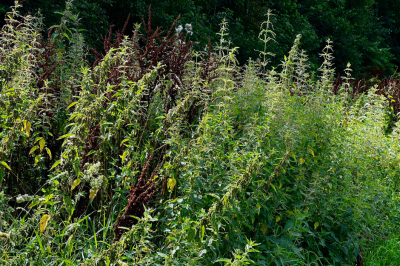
(364, 32)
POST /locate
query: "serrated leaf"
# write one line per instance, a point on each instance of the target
(48, 152)
(75, 184)
(43, 222)
(5, 165)
(55, 164)
(42, 142)
(171, 183)
(93, 192)
(34, 148)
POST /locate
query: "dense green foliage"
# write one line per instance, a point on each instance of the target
(365, 32)
(219, 164)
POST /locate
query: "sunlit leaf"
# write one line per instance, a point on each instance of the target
(27, 128)
(48, 152)
(43, 222)
(93, 192)
(42, 142)
(278, 218)
(5, 165)
(171, 183)
(35, 202)
(34, 148)
(55, 164)
(302, 160)
(75, 184)
(203, 230)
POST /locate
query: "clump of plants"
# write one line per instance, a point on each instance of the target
(157, 154)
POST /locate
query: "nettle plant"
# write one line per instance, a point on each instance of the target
(160, 155)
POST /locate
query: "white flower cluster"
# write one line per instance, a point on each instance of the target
(188, 29)
(23, 198)
(91, 175)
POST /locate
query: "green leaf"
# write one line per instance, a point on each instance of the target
(203, 230)
(48, 152)
(72, 104)
(272, 185)
(122, 142)
(55, 164)
(66, 136)
(34, 202)
(5, 165)
(34, 148)
(123, 156)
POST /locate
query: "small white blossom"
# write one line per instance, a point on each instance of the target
(189, 29)
(179, 29)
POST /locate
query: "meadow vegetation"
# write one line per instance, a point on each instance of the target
(160, 154)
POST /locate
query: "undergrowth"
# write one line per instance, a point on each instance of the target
(157, 154)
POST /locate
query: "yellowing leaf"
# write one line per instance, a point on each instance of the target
(264, 229)
(27, 126)
(316, 225)
(123, 156)
(47, 198)
(272, 185)
(302, 160)
(5, 165)
(171, 183)
(42, 142)
(93, 192)
(344, 123)
(75, 184)
(312, 152)
(278, 218)
(48, 152)
(34, 148)
(280, 185)
(43, 222)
